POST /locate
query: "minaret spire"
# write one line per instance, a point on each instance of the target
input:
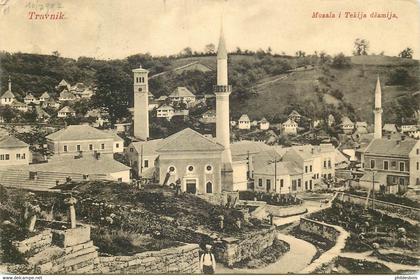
(10, 84)
(378, 110)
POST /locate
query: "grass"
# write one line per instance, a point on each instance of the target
(362, 266)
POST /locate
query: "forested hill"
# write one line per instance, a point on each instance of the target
(263, 84)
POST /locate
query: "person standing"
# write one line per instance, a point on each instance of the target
(207, 261)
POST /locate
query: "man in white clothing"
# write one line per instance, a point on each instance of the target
(207, 261)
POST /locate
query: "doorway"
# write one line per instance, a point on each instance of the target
(191, 186)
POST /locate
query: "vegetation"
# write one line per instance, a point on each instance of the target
(270, 198)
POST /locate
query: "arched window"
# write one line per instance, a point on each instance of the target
(190, 168)
(209, 187)
(171, 170)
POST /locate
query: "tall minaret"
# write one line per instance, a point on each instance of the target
(141, 104)
(222, 91)
(378, 110)
(10, 84)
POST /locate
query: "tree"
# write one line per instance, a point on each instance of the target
(56, 53)
(8, 113)
(341, 61)
(361, 46)
(113, 88)
(209, 49)
(300, 53)
(402, 77)
(186, 52)
(406, 53)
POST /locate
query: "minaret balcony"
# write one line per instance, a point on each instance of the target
(226, 88)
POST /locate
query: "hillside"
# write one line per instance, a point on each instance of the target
(263, 85)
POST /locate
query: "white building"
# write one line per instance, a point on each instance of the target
(244, 122)
(66, 112)
(290, 127)
(29, 98)
(66, 95)
(264, 124)
(183, 95)
(13, 151)
(165, 111)
(8, 97)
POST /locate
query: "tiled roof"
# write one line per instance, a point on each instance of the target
(189, 140)
(181, 92)
(165, 107)
(346, 121)
(65, 94)
(66, 109)
(283, 168)
(294, 113)
(29, 96)
(9, 141)
(41, 113)
(162, 98)
(391, 147)
(149, 147)
(390, 127)
(244, 118)
(79, 132)
(8, 94)
(63, 83)
(17, 103)
(45, 95)
(242, 148)
(290, 122)
(85, 165)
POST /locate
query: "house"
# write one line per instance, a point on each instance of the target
(290, 127)
(347, 125)
(183, 95)
(165, 111)
(209, 117)
(44, 97)
(50, 103)
(389, 128)
(361, 128)
(279, 177)
(264, 124)
(13, 151)
(415, 134)
(393, 160)
(122, 127)
(87, 93)
(76, 140)
(161, 99)
(100, 117)
(19, 106)
(295, 116)
(244, 122)
(66, 112)
(408, 128)
(29, 98)
(330, 120)
(142, 157)
(66, 95)
(63, 85)
(153, 104)
(254, 123)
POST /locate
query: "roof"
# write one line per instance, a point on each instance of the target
(45, 95)
(263, 120)
(65, 94)
(149, 147)
(165, 107)
(244, 118)
(66, 109)
(290, 122)
(162, 98)
(41, 113)
(279, 168)
(8, 94)
(63, 83)
(242, 148)
(390, 127)
(9, 141)
(294, 113)
(188, 140)
(346, 121)
(114, 135)
(79, 132)
(181, 92)
(391, 147)
(361, 124)
(29, 96)
(79, 87)
(86, 165)
(17, 103)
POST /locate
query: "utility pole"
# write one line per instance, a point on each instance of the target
(275, 174)
(373, 190)
(141, 160)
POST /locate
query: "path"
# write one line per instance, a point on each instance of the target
(298, 257)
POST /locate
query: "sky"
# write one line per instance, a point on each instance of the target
(117, 28)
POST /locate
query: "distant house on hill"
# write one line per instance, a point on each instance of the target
(66, 95)
(29, 98)
(50, 103)
(295, 116)
(44, 97)
(19, 106)
(244, 122)
(183, 95)
(347, 125)
(331, 120)
(264, 124)
(66, 112)
(165, 111)
(361, 127)
(8, 97)
(41, 114)
(290, 127)
(389, 128)
(209, 117)
(63, 85)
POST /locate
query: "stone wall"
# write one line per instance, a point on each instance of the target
(220, 198)
(333, 233)
(286, 211)
(231, 250)
(391, 209)
(177, 260)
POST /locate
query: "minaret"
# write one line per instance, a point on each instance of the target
(10, 84)
(378, 110)
(222, 91)
(141, 104)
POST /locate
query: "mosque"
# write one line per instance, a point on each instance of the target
(203, 165)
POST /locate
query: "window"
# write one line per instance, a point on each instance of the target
(131, 150)
(209, 187)
(281, 183)
(17, 156)
(402, 166)
(190, 168)
(310, 168)
(402, 181)
(208, 168)
(310, 184)
(386, 163)
(171, 169)
(306, 185)
(117, 145)
(1, 157)
(293, 185)
(372, 163)
(417, 165)
(306, 169)
(65, 148)
(325, 164)
(23, 156)
(260, 182)
(90, 147)
(78, 148)
(7, 157)
(146, 163)
(299, 183)
(103, 146)
(418, 151)
(329, 163)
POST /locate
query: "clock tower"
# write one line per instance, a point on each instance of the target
(141, 103)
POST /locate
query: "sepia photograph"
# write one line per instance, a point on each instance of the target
(209, 137)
